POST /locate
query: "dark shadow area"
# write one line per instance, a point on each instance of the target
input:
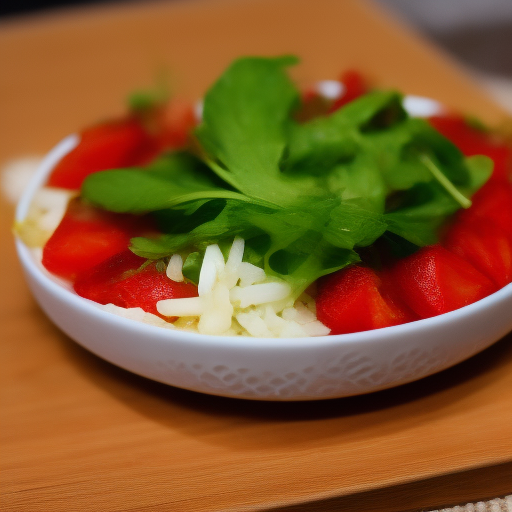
(21, 7)
(440, 492)
(485, 48)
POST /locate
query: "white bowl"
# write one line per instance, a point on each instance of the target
(264, 369)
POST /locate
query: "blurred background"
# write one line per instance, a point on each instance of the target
(477, 33)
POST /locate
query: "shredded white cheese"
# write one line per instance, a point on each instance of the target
(236, 297)
(175, 268)
(44, 215)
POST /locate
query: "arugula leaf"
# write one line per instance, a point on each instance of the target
(371, 154)
(318, 145)
(243, 131)
(479, 169)
(171, 181)
(192, 266)
(426, 206)
(145, 100)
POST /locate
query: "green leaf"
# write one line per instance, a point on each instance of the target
(479, 170)
(351, 226)
(243, 130)
(145, 100)
(427, 205)
(192, 266)
(140, 101)
(172, 181)
(323, 142)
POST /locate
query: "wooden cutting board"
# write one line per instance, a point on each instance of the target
(80, 434)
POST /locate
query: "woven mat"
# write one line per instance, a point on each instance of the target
(496, 505)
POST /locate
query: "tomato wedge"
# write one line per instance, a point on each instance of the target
(355, 86)
(484, 245)
(354, 299)
(493, 203)
(87, 236)
(111, 145)
(129, 281)
(433, 281)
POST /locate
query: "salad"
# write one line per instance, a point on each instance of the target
(279, 213)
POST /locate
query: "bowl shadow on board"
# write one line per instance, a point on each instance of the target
(381, 411)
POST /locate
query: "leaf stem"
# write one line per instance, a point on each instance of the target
(445, 182)
(222, 173)
(217, 194)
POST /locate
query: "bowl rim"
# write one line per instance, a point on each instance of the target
(54, 285)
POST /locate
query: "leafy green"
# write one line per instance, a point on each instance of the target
(321, 143)
(306, 197)
(425, 206)
(171, 181)
(145, 100)
(243, 132)
(299, 244)
(192, 266)
(141, 101)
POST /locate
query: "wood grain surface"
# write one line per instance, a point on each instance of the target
(79, 434)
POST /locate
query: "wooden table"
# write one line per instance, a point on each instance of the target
(79, 434)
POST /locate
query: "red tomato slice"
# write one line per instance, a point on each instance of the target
(96, 283)
(355, 86)
(486, 246)
(475, 142)
(314, 104)
(493, 202)
(354, 299)
(124, 281)
(145, 288)
(87, 236)
(116, 144)
(177, 120)
(434, 281)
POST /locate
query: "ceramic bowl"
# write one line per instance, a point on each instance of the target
(264, 369)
